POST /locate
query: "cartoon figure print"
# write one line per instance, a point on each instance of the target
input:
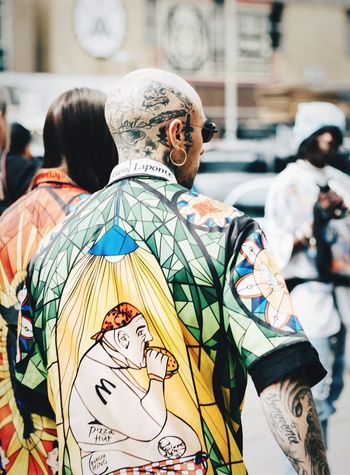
(3, 461)
(117, 422)
(52, 459)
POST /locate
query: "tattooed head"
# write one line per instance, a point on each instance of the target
(141, 108)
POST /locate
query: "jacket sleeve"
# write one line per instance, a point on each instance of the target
(258, 315)
(31, 362)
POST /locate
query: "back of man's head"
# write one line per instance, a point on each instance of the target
(140, 106)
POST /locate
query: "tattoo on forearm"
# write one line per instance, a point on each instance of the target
(292, 417)
(282, 426)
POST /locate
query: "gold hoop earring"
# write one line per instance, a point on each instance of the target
(175, 163)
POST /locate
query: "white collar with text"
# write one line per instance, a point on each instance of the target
(141, 167)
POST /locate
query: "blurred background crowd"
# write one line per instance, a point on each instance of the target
(252, 62)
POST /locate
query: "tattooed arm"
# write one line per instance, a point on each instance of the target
(290, 411)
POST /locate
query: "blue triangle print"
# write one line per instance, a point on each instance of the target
(116, 242)
(244, 267)
(258, 240)
(293, 323)
(259, 304)
(242, 270)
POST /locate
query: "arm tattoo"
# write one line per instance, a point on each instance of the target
(291, 414)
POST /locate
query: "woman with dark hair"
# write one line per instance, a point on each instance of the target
(79, 156)
(75, 136)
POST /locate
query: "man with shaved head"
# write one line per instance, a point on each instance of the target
(146, 263)
(148, 107)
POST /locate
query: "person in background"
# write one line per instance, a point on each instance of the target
(4, 128)
(4, 138)
(150, 306)
(308, 227)
(20, 139)
(79, 155)
(19, 167)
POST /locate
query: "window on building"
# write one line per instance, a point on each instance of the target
(151, 22)
(191, 36)
(219, 37)
(254, 43)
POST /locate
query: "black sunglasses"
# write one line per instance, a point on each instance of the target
(208, 130)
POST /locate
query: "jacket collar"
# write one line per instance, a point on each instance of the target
(141, 167)
(51, 175)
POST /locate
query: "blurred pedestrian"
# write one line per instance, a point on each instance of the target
(79, 155)
(147, 310)
(309, 229)
(20, 139)
(18, 166)
(4, 132)
(4, 129)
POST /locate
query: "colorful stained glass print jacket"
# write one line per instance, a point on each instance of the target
(147, 310)
(28, 443)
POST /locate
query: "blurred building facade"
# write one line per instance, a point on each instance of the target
(274, 53)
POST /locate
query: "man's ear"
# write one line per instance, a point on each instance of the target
(174, 133)
(123, 339)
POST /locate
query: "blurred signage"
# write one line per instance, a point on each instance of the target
(254, 50)
(184, 35)
(100, 26)
(191, 38)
